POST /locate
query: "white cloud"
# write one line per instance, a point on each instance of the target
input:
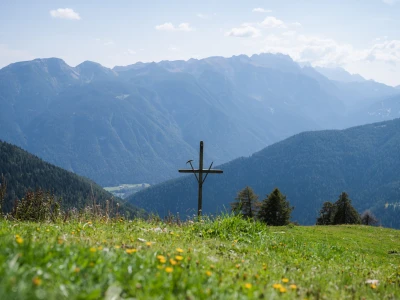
(173, 48)
(203, 16)
(255, 29)
(327, 52)
(109, 43)
(65, 13)
(165, 27)
(130, 52)
(316, 50)
(206, 16)
(246, 30)
(170, 27)
(289, 33)
(261, 10)
(105, 42)
(385, 51)
(184, 27)
(272, 22)
(295, 24)
(390, 2)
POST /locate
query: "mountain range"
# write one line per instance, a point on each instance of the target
(309, 168)
(339, 74)
(138, 123)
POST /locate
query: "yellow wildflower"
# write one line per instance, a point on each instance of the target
(36, 281)
(168, 269)
(248, 286)
(148, 244)
(285, 280)
(93, 250)
(373, 286)
(282, 290)
(173, 261)
(208, 273)
(179, 250)
(130, 251)
(159, 257)
(277, 285)
(178, 257)
(117, 246)
(293, 286)
(19, 240)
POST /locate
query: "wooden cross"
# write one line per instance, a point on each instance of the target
(200, 179)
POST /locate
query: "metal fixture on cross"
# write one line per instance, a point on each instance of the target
(200, 179)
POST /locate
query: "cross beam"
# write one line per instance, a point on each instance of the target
(204, 171)
(200, 171)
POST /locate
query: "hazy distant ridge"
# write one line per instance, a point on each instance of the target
(139, 123)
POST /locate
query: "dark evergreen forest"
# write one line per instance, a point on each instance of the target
(25, 172)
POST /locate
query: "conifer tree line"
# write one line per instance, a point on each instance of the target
(342, 212)
(275, 209)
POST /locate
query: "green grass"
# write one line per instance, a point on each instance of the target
(228, 258)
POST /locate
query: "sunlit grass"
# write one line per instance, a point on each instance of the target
(227, 258)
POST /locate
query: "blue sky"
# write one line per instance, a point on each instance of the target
(363, 36)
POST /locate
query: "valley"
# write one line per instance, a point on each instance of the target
(125, 190)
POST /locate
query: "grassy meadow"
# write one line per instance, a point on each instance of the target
(224, 258)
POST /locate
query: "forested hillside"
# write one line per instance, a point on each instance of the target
(24, 171)
(310, 168)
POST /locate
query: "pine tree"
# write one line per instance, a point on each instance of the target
(368, 218)
(246, 203)
(326, 214)
(345, 213)
(275, 210)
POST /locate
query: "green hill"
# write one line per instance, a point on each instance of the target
(24, 171)
(310, 168)
(227, 258)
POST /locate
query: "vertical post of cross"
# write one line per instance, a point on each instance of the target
(200, 198)
(200, 178)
